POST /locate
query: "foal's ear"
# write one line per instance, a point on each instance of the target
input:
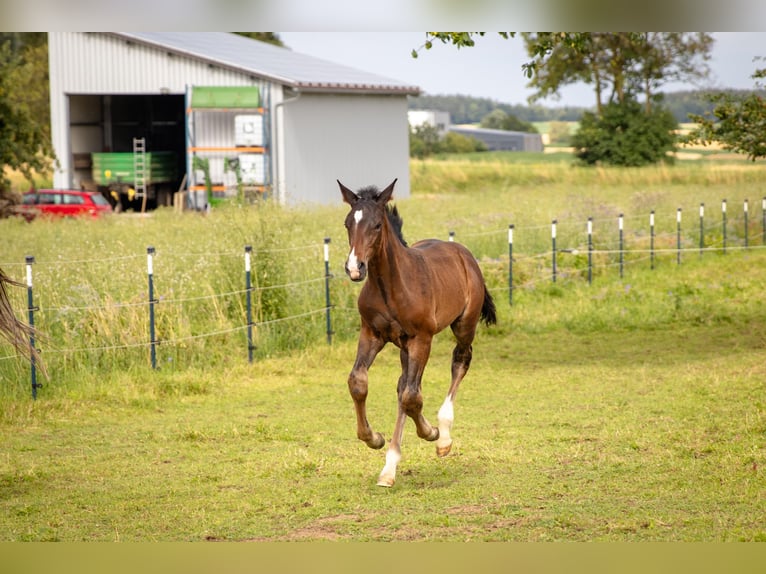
(348, 196)
(385, 195)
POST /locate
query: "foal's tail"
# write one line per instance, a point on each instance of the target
(488, 312)
(13, 330)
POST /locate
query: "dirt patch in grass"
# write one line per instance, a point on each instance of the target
(326, 528)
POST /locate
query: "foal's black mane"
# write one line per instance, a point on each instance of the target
(371, 193)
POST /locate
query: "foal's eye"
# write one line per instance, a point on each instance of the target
(378, 226)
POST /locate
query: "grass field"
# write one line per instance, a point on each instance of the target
(628, 410)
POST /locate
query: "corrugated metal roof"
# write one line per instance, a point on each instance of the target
(265, 60)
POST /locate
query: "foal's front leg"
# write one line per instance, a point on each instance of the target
(410, 395)
(368, 348)
(394, 452)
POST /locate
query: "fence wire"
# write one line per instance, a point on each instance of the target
(711, 234)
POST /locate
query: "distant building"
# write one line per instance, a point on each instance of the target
(290, 123)
(502, 140)
(434, 118)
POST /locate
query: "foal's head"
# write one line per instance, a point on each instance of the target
(366, 223)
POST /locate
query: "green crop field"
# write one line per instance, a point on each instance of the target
(629, 409)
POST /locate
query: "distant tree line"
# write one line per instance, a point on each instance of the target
(471, 110)
(687, 105)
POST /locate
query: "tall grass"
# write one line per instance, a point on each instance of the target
(91, 276)
(91, 284)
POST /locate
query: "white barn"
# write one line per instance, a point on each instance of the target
(293, 123)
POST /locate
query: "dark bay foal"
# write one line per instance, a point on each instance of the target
(411, 294)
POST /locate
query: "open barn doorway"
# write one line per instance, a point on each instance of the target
(102, 130)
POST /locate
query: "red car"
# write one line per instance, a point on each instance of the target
(63, 203)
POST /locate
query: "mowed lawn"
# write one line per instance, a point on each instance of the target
(654, 434)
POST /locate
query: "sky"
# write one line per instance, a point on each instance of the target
(492, 68)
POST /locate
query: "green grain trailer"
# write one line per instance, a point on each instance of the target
(116, 177)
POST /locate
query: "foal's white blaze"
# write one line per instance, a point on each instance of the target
(446, 416)
(352, 264)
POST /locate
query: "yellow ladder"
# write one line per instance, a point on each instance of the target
(139, 170)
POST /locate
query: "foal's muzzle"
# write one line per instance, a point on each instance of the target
(358, 273)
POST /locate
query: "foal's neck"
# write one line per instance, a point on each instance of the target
(392, 257)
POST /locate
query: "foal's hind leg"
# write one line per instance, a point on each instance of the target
(368, 348)
(413, 358)
(461, 361)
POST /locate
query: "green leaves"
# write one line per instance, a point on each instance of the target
(737, 122)
(24, 138)
(457, 39)
(625, 135)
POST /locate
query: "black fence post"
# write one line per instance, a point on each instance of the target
(622, 244)
(510, 264)
(152, 301)
(31, 318)
(249, 302)
(327, 277)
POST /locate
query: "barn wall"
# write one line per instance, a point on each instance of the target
(360, 139)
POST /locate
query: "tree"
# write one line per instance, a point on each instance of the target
(625, 135)
(30, 85)
(24, 135)
(499, 120)
(737, 121)
(672, 57)
(458, 143)
(620, 66)
(426, 141)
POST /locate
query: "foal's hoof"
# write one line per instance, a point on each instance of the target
(443, 450)
(377, 441)
(387, 481)
(433, 436)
